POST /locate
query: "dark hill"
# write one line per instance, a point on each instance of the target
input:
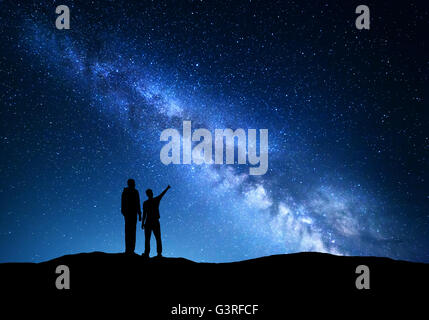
(292, 281)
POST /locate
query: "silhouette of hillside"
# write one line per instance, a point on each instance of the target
(274, 282)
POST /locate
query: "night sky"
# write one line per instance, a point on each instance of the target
(82, 111)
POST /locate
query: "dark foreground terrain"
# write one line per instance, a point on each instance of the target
(282, 285)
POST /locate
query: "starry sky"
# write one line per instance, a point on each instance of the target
(82, 111)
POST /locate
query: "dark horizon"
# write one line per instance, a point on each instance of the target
(153, 257)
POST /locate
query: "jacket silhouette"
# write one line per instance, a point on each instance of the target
(150, 221)
(130, 208)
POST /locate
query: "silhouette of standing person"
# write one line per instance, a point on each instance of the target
(130, 208)
(151, 221)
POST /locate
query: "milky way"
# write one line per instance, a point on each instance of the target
(84, 108)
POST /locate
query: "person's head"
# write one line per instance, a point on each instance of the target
(149, 193)
(131, 183)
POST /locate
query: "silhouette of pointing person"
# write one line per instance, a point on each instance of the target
(150, 221)
(130, 208)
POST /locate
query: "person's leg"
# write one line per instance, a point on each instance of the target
(133, 225)
(157, 234)
(127, 235)
(130, 234)
(147, 234)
